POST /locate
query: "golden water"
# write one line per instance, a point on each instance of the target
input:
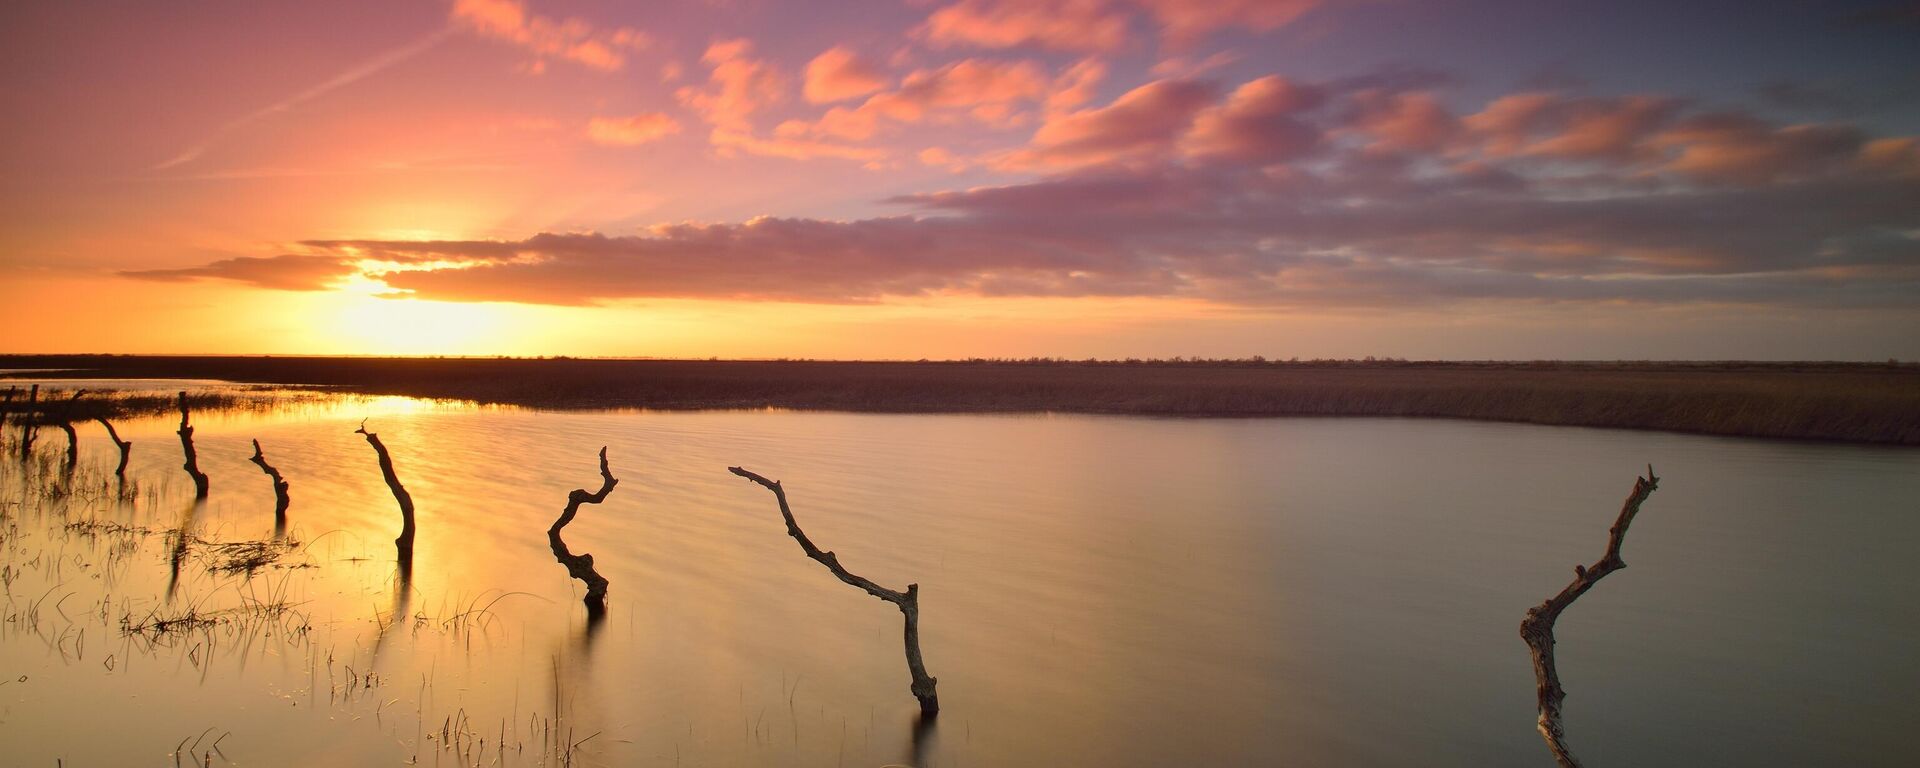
(1099, 591)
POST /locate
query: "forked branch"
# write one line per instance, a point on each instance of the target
(908, 602)
(280, 486)
(405, 542)
(1537, 628)
(581, 566)
(186, 445)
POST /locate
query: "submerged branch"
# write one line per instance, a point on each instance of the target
(405, 542)
(1537, 628)
(29, 428)
(66, 425)
(581, 566)
(280, 486)
(908, 602)
(125, 446)
(186, 445)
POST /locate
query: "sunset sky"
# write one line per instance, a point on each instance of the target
(942, 178)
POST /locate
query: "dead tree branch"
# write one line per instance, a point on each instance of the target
(581, 566)
(186, 445)
(73, 439)
(405, 542)
(280, 500)
(125, 446)
(908, 602)
(29, 422)
(1537, 628)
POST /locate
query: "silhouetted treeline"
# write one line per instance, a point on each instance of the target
(1864, 402)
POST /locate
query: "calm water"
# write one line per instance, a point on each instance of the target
(1097, 591)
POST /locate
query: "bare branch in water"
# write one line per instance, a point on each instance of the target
(1537, 627)
(908, 602)
(280, 486)
(125, 446)
(186, 444)
(405, 542)
(66, 425)
(581, 566)
(29, 422)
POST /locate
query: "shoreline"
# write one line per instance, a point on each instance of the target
(1873, 403)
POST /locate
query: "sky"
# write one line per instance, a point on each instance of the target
(908, 179)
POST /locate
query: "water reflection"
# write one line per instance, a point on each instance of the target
(1100, 591)
(181, 536)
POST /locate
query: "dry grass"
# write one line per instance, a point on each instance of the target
(1877, 403)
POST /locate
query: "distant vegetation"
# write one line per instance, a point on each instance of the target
(1862, 402)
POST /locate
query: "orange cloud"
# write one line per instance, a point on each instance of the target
(571, 39)
(986, 91)
(839, 74)
(633, 130)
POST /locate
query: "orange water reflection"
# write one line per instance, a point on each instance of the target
(1095, 591)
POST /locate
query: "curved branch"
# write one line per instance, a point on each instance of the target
(405, 542)
(66, 425)
(125, 446)
(908, 602)
(186, 444)
(581, 566)
(280, 486)
(1537, 628)
(29, 418)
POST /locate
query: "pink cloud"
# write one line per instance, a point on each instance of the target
(1258, 123)
(1090, 26)
(1186, 21)
(737, 85)
(728, 141)
(572, 39)
(1550, 125)
(838, 74)
(1405, 120)
(1731, 147)
(1077, 85)
(1143, 124)
(632, 130)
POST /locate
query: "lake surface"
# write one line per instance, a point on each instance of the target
(1099, 591)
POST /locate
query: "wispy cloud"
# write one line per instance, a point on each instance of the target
(356, 73)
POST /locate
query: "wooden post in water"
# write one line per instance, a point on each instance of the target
(404, 544)
(1537, 628)
(581, 566)
(280, 500)
(186, 445)
(908, 602)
